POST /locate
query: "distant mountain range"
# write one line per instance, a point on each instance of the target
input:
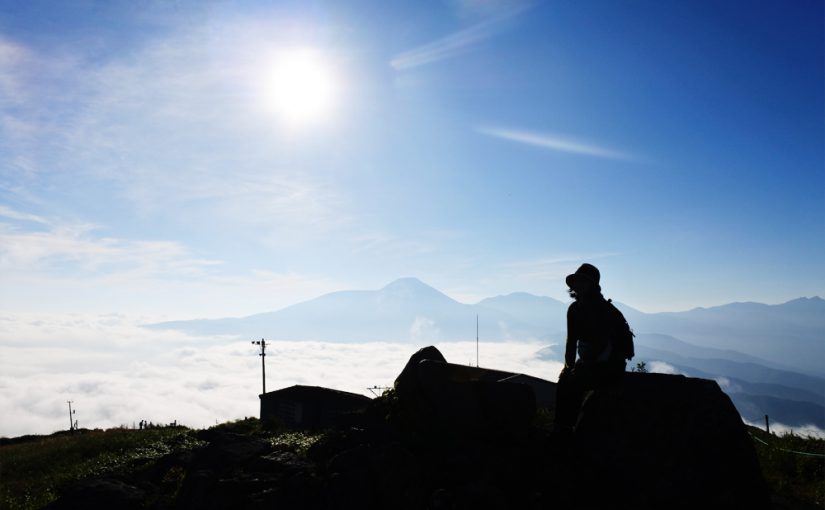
(406, 309)
(792, 333)
(769, 358)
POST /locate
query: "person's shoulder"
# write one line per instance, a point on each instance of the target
(611, 305)
(573, 308)
(615, 310)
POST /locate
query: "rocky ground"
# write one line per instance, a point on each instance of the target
(657, 442)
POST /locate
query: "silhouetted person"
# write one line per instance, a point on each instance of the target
(599, 333)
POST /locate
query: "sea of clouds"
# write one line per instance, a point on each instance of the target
(118, 373)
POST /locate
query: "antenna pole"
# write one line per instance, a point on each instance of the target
(476, 340)
(71, 419)
(262, 343)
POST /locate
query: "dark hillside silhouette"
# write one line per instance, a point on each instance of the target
(655, 441)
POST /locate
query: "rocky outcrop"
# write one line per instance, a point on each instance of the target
(671, 441)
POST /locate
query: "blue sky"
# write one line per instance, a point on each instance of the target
(485, 147)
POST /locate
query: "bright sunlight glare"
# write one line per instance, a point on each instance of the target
(301, 86)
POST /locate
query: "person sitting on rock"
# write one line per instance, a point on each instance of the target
(599, 333)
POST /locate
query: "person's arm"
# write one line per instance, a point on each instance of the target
(572, 338)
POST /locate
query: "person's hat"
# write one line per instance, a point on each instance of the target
(586, 271)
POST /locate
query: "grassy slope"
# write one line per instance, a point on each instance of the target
(797, 481)
(33, 471)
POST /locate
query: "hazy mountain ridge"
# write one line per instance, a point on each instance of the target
(406, 309)
(667, 343)
(791, 333)
(785, 336)
(540, 311)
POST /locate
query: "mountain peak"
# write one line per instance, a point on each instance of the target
(407, 283)
(815, 302)
(411, 288)
(518, 295)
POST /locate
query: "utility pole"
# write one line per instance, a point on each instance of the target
(262, 343)
(71, 418)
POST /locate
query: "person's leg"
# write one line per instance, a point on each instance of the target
(607, 375)
(569, 395)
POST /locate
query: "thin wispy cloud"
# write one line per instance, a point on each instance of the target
(553, 267)
(388, 245)
(46, 261)
(76, 246)
(556, 143)
(456, 43)
(12, 58)
(8, 212)
(476, 9)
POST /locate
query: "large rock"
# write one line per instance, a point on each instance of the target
(455, 401)
(406, 384)
(670, 442)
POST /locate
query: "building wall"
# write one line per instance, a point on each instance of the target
(308, 406)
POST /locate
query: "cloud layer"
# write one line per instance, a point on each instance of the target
(118, 373)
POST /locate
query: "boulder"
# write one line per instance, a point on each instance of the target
(669, 441)
(407, 381)
(458, 402)
(101, 493)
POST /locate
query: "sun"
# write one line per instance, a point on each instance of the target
(301, 86)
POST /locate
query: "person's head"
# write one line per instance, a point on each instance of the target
(584, 282)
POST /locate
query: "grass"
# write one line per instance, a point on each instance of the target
(280, 437)
(298, 442)
(33, 472)
(35, 469)
(798, 481)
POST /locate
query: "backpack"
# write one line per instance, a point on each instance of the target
(621, 334)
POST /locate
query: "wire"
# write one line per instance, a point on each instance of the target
(786, 450)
